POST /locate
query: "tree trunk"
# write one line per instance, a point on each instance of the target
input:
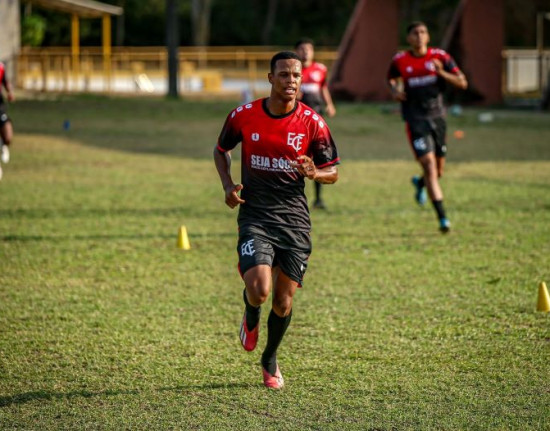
(200, 17)
(172, 42)
(269, 21)
(120, 23)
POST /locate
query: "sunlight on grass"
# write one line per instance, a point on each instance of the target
(106, 324)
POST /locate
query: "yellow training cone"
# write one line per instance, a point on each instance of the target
(183, 240)
(543, 303)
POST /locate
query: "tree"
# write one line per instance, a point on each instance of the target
(200, 19)
(172, 42)
(269, 21)
(33, 28)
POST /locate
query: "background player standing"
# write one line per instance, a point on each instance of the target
(314, 92)
(6, 129)
(424, 72)
(283, 143)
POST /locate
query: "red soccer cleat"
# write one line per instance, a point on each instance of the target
(249, 339)
(273, 382)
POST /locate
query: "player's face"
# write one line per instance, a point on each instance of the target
(305, 51)
(286, 78)
(418, 37)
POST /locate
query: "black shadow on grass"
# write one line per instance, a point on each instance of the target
(61, 238)
(144, 125)
(48, 396)
(44, 213)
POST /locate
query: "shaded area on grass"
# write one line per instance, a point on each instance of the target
(190, 128)
(26, 397)
(58, 238)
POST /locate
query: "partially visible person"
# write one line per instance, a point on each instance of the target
(424, 71)
(6, 128)
(284, 144)
(314, 92)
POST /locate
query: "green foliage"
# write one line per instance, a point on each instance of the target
(242, 23)
(33, 28)
(106, 325)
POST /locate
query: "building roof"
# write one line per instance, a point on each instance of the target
(83, 8)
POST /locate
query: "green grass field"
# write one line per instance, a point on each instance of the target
(106, 325)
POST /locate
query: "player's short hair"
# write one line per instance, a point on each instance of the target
(283, 55)
(415, 24)
(302, 41)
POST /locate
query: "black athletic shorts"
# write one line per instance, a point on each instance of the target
(3, 116)
(287, 249)
(427, 136)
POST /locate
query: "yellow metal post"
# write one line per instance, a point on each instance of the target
(75, 43)
(107, 49)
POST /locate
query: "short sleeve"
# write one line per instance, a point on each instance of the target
(230, 135)
(393, 71)
(323, 149)
(449, 64)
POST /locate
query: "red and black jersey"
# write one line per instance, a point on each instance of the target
(314, 78)
(423, 86)
(272, 189)
(3, 80)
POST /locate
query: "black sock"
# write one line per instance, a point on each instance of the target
(317, 191)
(438, 205)
(252, 313)
(276, 328)
(421, 182)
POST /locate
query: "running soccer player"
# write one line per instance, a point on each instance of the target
(6, 129)
(314, 92)
(424, 72)
(283, 143)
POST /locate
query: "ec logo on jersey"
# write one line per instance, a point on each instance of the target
(255, 137)
(316, 76)
(247, 249)
(295, 140)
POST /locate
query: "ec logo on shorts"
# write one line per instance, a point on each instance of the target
(247, 249)
(295, 140)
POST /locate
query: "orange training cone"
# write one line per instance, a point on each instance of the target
(543, 303)
(183, 239)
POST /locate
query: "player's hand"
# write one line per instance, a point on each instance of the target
(398, 95)
(232, 199)
(11, 97)
(331, 110)
(305, 166)
(438, 65)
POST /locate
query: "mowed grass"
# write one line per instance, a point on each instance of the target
(106, 324)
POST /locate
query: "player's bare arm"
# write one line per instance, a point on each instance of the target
(456, 79)
(326, 175)
(331, 110)
(11, 96)
(305, 165)
(9, 90)
(396, 93)
(223, 166)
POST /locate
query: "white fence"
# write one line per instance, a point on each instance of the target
(526, 70)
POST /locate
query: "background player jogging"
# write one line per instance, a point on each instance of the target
(283, 143)
(314, 92)
(6, 129)
(424, 72)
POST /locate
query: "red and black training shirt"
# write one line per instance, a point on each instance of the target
(272, 189)
(423, 86)
(314, 78)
